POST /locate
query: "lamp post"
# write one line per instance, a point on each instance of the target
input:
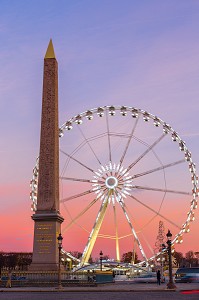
(60, 238)
(170, 284)
(101, 254)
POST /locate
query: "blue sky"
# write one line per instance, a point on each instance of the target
(136, 53)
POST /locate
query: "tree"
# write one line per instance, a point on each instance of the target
(76, 254)
(179, 258)
(12, 260)
(90, 260)
(24, 260)
(130, 257)
(2, 262)
(191, 259)
(106, 257)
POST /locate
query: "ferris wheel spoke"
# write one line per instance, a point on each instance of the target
(133, 230)
(88, 143)
(158, 169)
(140, 231)
(108, 134)
(80, 214)
(160, 190)
(116, 234)
(95, 230)
(76, 196)
(79, 162)
(157, 213)
(75, 179)
(145, 152)
(147, 243)
(129, 140)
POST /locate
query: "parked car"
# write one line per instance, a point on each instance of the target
(187, 275)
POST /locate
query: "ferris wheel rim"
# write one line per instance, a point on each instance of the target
(167, 129)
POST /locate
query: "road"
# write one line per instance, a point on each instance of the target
(139, 295)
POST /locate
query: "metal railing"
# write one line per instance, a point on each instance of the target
(46, 278)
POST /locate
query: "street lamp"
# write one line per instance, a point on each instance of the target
(170, 284)
(60, 238)
(101, 254)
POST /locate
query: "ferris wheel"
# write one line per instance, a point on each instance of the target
(122, 170)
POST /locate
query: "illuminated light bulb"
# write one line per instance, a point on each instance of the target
(35, 171)
(33, 183)
(134, 113)
(33, 193)
(111, 110)
(123, 195)
(186, 228)
(179, 240)
(78, 120)
(94, 181)
(124, 171)
(102, 197)
(182, 145)
(120, 170)
(156, 122)
(194, 178)
(98, 195)
(100, 112)
(61, 133)
(146, 116)
(89, 115)
(193, 202)
(174, 136)
(118, 166)
(195, 191)
(98, 174)
(126, 193)
(187, 155)
(166, 128)
(68, 125)
(123, 111)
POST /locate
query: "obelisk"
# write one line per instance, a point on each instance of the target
(47, 218)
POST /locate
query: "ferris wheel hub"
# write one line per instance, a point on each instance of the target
(112, 178)
(111, 182)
